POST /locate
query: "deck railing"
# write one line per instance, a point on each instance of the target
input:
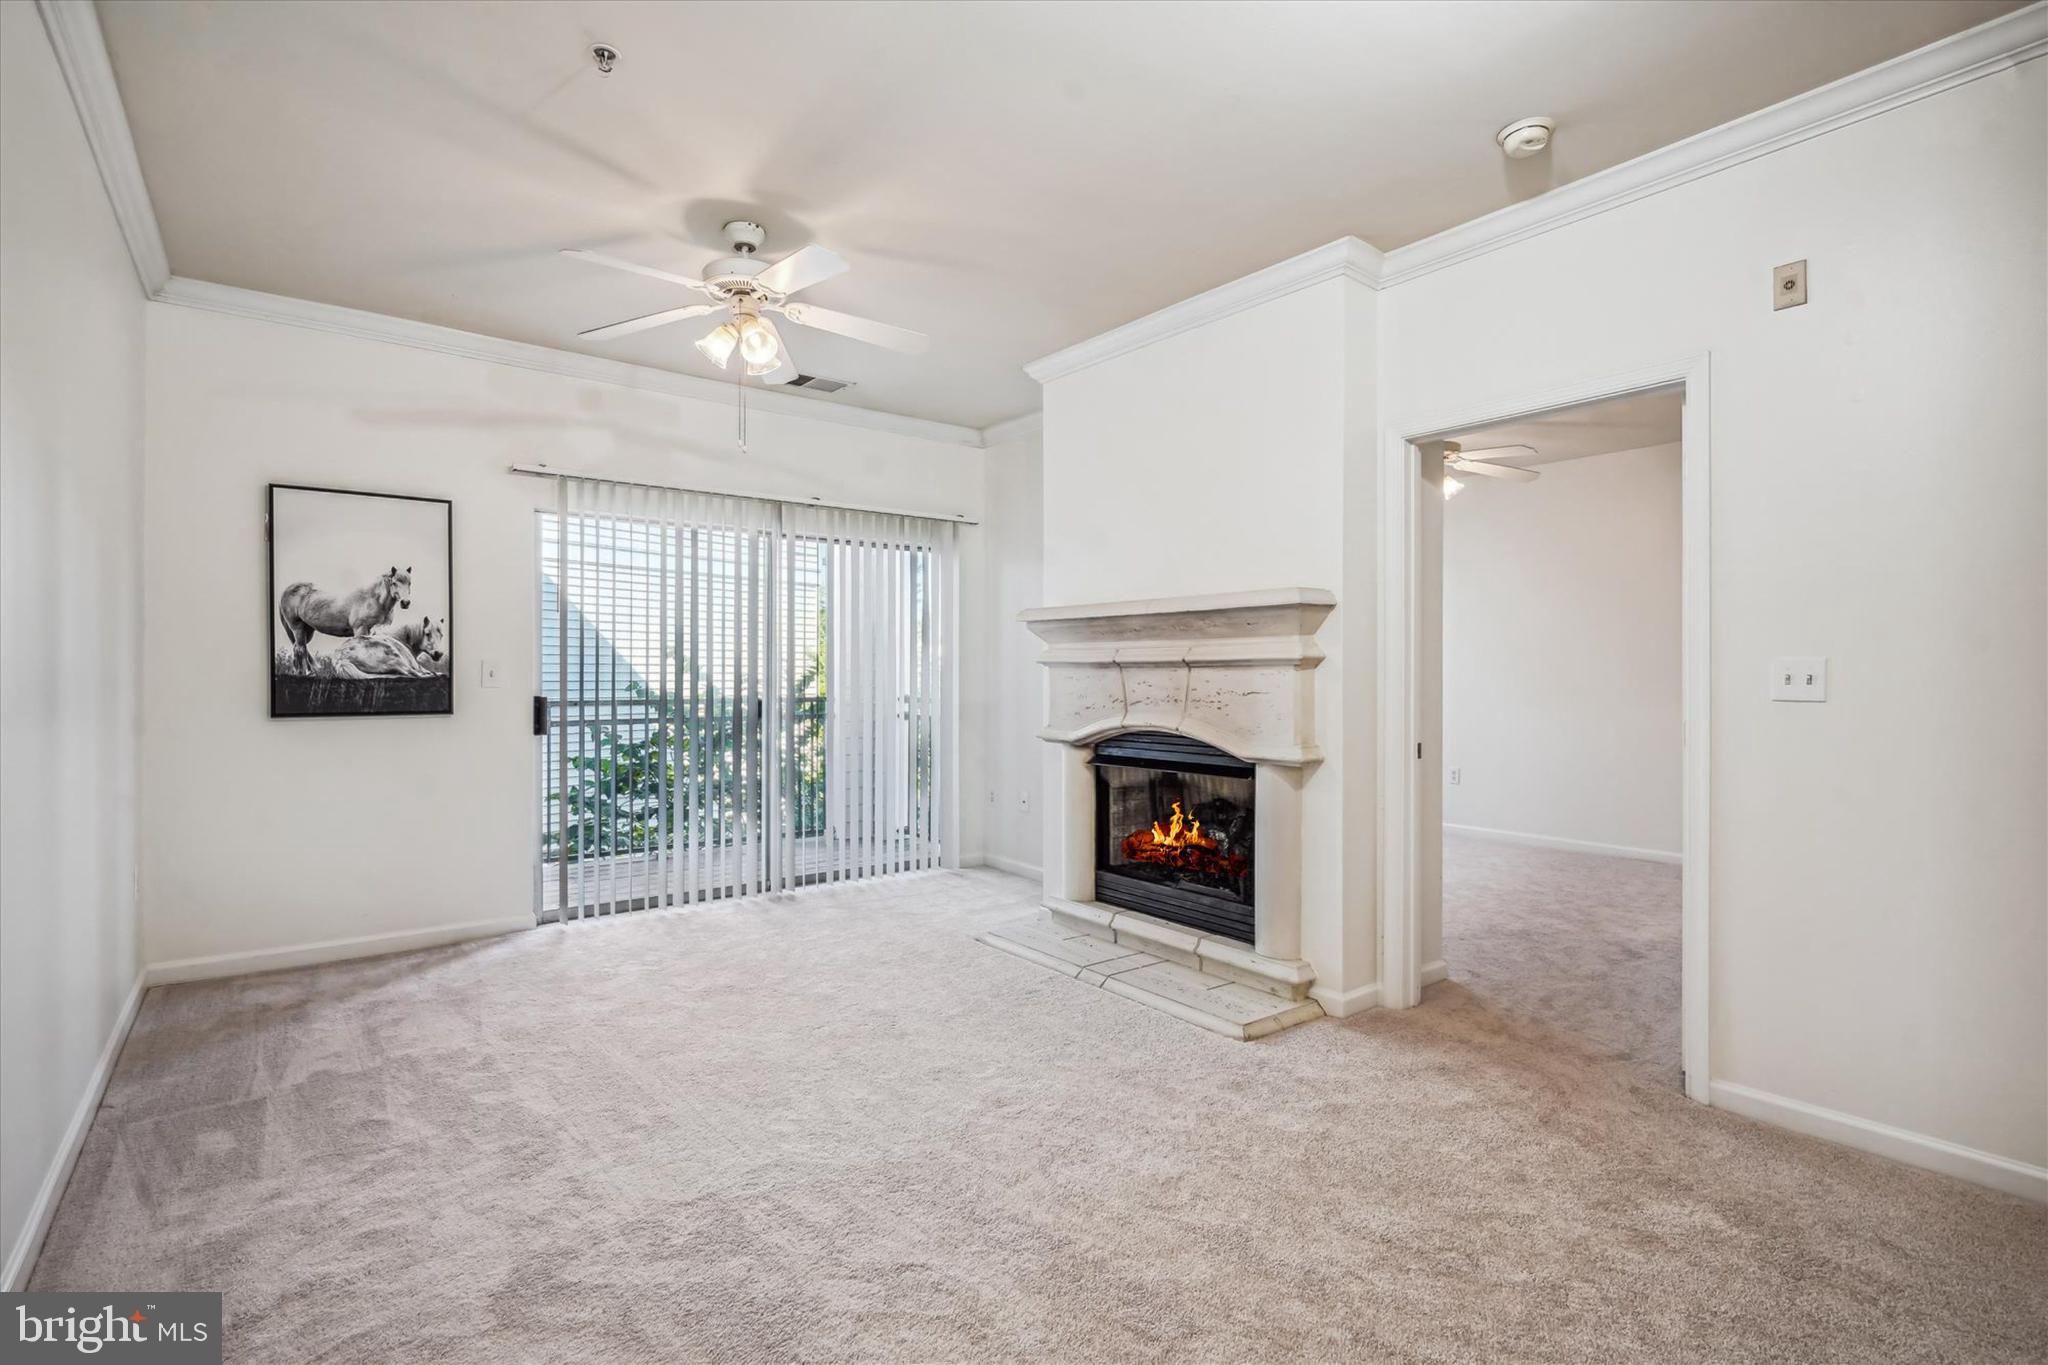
(621, 803)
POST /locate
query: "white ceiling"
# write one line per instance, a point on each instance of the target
(1008, 177)
(1632, 422)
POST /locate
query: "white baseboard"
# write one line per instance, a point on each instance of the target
(1342, 1004)
(333, 950)
(1014, 867)
(1339, 1004)
(1915, 1149)
(1509, 836)
(21, 1258)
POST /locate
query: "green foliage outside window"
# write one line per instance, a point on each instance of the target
(633, 780)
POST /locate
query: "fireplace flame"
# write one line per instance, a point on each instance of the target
(1180, 843)
(1181, 832)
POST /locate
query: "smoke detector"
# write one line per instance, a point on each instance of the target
(1525, 136)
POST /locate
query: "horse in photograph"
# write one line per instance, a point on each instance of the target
(376, 656)
(426, 638)
(307, 611)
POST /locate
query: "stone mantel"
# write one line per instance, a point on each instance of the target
(1230, 669)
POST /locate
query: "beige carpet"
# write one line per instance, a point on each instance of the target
(834, 1127)
(1570, 942)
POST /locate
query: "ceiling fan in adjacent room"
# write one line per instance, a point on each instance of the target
(1458, 460)
(746, 290)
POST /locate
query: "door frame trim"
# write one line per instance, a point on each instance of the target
(1402, 483)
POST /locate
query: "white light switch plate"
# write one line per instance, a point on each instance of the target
(1799, 680)
(488, 673)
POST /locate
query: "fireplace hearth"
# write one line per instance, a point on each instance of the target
(1175, 832)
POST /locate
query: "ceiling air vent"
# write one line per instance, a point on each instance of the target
(818, 384)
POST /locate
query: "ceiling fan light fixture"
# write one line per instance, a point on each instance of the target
(1452, 487)
(717, 345)
(741, 284)
(759, 346)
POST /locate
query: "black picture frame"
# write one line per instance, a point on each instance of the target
(306, 662)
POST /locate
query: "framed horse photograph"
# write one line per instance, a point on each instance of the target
(361, 596)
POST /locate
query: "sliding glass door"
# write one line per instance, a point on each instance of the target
(743, 696)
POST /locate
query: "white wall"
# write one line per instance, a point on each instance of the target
(1224, 458)
(1879, 480)
(1561, 653)
(260, 835)
(1012, 799)
(70, 613)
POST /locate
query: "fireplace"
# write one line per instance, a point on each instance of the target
(1183, 734)
(1175, 825)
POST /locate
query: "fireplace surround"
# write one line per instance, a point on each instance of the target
(1208, 701)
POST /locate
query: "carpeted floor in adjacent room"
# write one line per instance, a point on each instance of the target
(831, 1126)
(1581, 945)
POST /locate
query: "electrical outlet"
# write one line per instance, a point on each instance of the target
(1788, 285)
(1457, 776)
(1799, 680)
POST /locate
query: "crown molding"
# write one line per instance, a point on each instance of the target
(1347, 257)
(427, 336)
(81, 51)
(1989, 48)
(1022, 427)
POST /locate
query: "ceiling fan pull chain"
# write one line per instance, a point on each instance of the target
(743, 411)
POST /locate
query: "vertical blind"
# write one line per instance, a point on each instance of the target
(744, 696)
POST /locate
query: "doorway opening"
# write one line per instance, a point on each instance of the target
(1562, 725)
(1544, 714)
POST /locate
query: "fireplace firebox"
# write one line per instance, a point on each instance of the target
(1174, 831)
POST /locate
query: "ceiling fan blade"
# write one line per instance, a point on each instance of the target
(661, 319)
(801, 270)
(1513, 452)
(1493, 471)
(634, 267)
(860, 329)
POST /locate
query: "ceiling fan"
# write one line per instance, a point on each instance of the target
(745, 290)
(1458, 460)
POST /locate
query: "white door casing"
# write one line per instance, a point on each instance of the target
(1411, 683)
